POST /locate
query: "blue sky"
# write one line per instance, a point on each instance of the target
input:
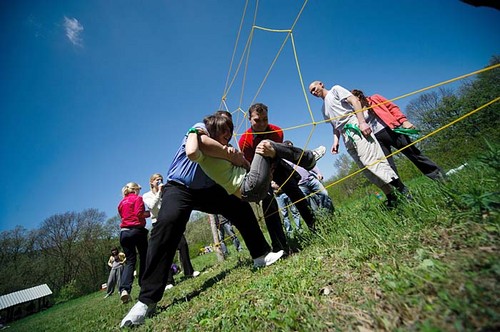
(99, 93)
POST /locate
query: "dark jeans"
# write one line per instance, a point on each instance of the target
(388, 138)
(178, 202)
(185, 260)
(132, 241)
(282, 175)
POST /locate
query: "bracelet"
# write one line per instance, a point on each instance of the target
(192, 130)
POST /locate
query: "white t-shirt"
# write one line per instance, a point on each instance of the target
(336, 108)
(153, 203)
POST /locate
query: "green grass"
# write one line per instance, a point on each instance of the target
(430, 265)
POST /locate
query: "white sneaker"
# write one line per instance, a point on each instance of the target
(169, 286)
(319, 152)
(138, 314)
(196, 273)
(266, 260)
(124, 296)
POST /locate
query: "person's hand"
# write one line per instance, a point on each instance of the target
(320, 177)
(202, 131)
(407, 125)
(365, 129)
(236, 157)
(335, 148)
(265, 149)
(230, 149)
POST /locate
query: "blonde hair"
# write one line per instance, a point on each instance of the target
(130, 187)
(153, 177)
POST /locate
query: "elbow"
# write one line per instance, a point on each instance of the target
(191, 154)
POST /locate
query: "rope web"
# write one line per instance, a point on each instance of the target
(240, 69)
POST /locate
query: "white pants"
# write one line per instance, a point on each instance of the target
(366, 151)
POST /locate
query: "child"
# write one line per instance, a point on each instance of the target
(251, 186)
(133, 236)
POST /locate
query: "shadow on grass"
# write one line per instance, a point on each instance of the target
(205, 286)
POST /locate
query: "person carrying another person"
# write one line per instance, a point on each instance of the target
(188, 188)
(344, 111)
(252, 185)
(390, 127)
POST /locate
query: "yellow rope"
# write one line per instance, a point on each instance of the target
(289, 34)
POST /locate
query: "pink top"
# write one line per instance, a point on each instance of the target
(388, 112)
(131, 209)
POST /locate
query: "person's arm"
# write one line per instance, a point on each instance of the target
(110, 261)
(151, 199)
(192, 146)
(356, 104)
(212, 148)
(335, 145)
(386, 106)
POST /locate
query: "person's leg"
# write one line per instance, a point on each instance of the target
(321, 194)
(385, 140)
(170, 277)
(142, 248)
(310, 195)
(283, 176)
(281, 200)
(303, 158)
(111, 282)
(428, 167)
(256, 182)
(128, 244)
(215, 200)
(228, 229)
(294, 212)
(165, 235)
(183, 248)
(366, 152)
(273, 223)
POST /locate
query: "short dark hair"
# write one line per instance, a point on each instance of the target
(258, 107)
(288, 142)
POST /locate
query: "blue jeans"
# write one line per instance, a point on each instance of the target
(319, 200)
(284, 201)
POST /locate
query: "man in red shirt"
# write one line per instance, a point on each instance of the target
(261, 129)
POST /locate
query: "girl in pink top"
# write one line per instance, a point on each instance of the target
(386, 116)
(133, 236)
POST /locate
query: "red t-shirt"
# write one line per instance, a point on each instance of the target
(249, 140)
(131, 210)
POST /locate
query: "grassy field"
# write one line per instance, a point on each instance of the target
(430, 265)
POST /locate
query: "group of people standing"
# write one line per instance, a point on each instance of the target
(209, 175)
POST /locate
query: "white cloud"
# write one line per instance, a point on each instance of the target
(73, 30)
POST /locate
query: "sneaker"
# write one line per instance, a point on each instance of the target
(124, 296)
(319, 152)
(169, 286)
(266, 260)
(195, 274)
(138, 314)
